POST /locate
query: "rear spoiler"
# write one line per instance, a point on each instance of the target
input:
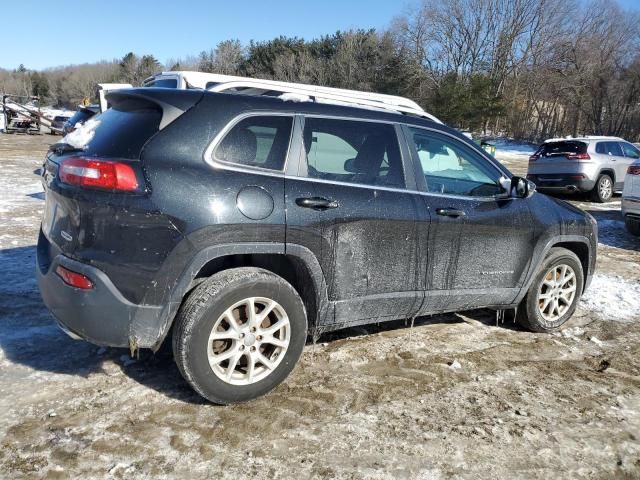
(172, 102)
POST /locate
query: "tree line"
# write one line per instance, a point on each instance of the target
(530, 69)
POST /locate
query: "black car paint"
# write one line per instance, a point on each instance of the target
(381, 254)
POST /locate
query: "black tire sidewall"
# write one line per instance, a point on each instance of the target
(534, 320)
(199, 371)
(633, 226)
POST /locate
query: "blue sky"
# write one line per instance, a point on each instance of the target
(86, 31)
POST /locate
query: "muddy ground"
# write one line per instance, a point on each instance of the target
(456, 396)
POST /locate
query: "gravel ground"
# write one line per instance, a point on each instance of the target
(456, 396)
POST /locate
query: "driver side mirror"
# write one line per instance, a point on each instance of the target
(521, 187)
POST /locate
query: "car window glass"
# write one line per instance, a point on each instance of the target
(451, 168)
(611, 148)
(353, 151)
(630, 151)
(601, 147)
(260, 141)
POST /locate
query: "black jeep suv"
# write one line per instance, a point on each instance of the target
(243, 224)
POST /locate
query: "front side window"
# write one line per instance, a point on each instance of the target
(451, 168)
(260, 141)
(353, 151)
(630, 151)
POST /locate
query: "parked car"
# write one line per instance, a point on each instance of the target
(590, 164)
(82, 115)
(631, 198)
(57, 124)
(238, 225)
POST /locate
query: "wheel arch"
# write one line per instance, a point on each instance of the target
(577, 244)
(607, 171)
(298, 266)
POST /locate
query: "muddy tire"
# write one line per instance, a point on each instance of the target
(239, 334)
(633, 225)
(603, 191)
(554, 293)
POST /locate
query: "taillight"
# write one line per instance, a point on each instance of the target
(633, 170)
(102, 174)
(533, 158)
(579, 156)
(74, 279)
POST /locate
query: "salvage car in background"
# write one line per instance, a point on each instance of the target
(57, 124)
(631, 199)
(596, 165)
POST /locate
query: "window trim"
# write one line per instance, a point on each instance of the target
(409, 180)
(422, 184)
(210, 158)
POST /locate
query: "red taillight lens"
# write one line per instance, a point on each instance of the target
(633, 170)
(102, 174)
(579, 156)
(74, 279)
(533, 158)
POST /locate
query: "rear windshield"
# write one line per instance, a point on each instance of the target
(116, 133)
(556, 149)
(80, 116)
(163, 83)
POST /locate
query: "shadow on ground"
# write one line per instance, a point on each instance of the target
(30, 337)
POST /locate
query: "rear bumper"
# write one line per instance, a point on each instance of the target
(100, 315)
(562, 182)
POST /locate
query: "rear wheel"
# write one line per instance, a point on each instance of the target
(553, 296)
(603, 191)
(239, 334)
(633, 225)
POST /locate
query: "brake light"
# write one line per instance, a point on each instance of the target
(102, 174)
(534, 157)
(74, 279)
(579, 156)
(633, 170)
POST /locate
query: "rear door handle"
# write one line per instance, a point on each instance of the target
(316, 203)
(450, 212)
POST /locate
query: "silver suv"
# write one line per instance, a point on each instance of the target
(590, 164)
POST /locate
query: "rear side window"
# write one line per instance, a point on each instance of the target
(116, 133)
(353, 151)
(558, 149)
(80, 116)
(260, 141)
(609, 148)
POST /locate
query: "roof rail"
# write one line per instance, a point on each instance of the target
(253, 86)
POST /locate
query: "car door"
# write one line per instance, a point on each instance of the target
(631, 154)
(350, 206)
(480, 240)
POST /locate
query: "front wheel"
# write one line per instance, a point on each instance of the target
(554, 294)
(239, 334)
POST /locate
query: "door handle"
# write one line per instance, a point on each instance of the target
(450, 212)
(316, 203)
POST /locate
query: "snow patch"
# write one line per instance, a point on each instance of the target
(82, 135)
(294, 97)
(613, 298)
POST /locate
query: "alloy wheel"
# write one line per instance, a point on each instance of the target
(248, 341)
(557, 292)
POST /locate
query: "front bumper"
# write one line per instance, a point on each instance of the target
(631, 206)
(573, 182)
(100, 315)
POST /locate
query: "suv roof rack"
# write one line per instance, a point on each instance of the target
(214, 82)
